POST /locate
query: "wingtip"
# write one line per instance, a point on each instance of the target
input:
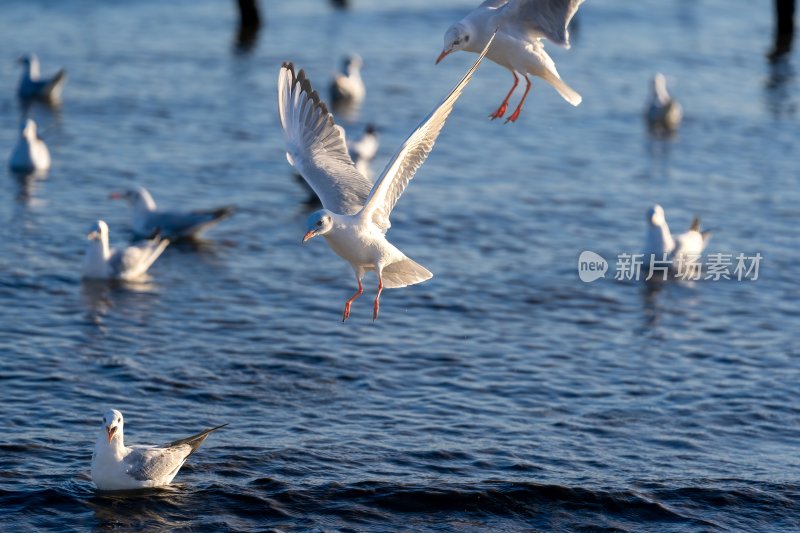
(695, 224)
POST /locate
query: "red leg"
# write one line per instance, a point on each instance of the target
(502, 109)
(350, 301)
(515, 115)
(377, 300)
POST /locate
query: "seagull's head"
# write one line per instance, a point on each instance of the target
(319, 223)
(112, 424)
(98, 232)
(26, 59)
(29, 129)
(655, 216)
(457, 37)
(353, 63)
(135, 196)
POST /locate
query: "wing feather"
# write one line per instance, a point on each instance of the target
(534, 19)
(414, 151)
(316, 145)
(145, 464)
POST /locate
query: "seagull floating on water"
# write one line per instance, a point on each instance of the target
(355, 217)
(520, 26)
(147, 218)
(364, 149)
(664, 114)
(119, 467)
(33, 87)
(31, 153)
(682, 250)
(128, 263)
(348, 87)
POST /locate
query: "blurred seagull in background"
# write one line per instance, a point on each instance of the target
(355, 217)
(33, 87)
(682, 251)
(663, 114)
(364, 149)
(31, 153)
(128, 263)
(146, 218)
(520, 26)
(348, 87)
(119, 467)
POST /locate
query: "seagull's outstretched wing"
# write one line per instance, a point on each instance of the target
(412, 154)
(144, 464)
(534, 19)
(316, 145)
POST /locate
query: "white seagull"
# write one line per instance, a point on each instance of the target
(683, 251)
(663, 114)
(128, 263)
(30, 153)
(364, 149)
(355, 217)
(348, 87)
(520, 26)
(119, 467)
(147, 218)
(33, 86)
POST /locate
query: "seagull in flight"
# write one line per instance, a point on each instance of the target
(356, 213)
(119, 467)
(33, 87)
(128, 263)
(147, 218)
(520, 26)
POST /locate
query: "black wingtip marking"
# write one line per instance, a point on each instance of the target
(305, 86)
(695, 224)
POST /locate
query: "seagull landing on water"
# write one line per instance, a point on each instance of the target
(663, 114)
(682, 250)
(355, 217)
(147, 218)
(128, 263)
(33, 87)
(119, 467)
(31, 153)
(348, 87)
(520, 26)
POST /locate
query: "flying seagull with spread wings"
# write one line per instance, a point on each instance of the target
(355, 217)
(520, 26)
(119, 467)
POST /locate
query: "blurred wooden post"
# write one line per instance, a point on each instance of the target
(249, 24)
(784, 28)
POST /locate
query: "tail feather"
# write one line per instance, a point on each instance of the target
(195, 440)
(219, 213)
(56, 85)
(566, 92)
(404, 273)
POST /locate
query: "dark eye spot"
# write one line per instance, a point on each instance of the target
(319, 222)
(466, 38)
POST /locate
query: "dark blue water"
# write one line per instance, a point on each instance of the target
(504, 394)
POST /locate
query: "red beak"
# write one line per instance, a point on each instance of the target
(444, 54)
(308, 235)
(115, 196)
